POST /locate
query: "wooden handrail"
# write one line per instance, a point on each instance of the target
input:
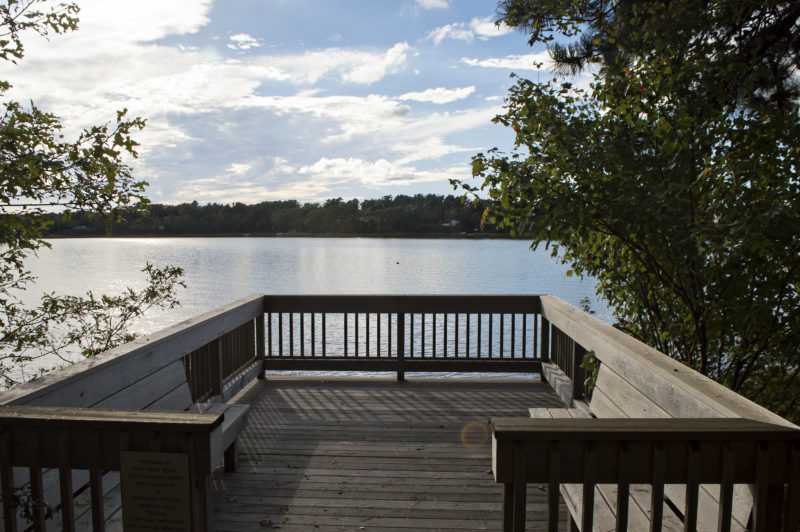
(94, 440)
(679, 390)
(723, 451)
(394, 304)
(75, 386)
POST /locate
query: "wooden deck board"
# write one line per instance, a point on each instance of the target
(372, 454)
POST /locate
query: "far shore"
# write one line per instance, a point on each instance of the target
(298, 235)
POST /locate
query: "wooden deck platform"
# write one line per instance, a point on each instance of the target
(372, 454)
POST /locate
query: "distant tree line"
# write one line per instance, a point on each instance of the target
(398, 215)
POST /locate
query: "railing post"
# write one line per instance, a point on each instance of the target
(544, 347)
(401, 347)
(578, 373)
(215, 363)
(261, 351)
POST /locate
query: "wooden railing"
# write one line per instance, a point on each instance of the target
(218, 353)
(70, 440)
(568, 355)
(404, 333)
(212, 366)
(655, 452)
(683, 429)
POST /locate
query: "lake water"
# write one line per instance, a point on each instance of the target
(222, 270)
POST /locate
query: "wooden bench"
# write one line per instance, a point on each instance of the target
(151, 374)
(634, 382)
(615, 398)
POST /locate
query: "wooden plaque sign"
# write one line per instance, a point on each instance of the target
(156, 494)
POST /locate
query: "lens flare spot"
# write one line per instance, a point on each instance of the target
(474, 435)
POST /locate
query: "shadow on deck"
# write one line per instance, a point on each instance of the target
(350, 454)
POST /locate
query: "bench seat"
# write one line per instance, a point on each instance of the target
(232, 425)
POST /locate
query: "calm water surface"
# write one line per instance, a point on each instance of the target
(221, 270)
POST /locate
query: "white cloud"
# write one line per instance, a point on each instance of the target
(451, 31)
(512, 62)
(480, 28)
(240, 168)
(439, 95)
(243, 41)
(485, 28)
(372, 174)
(430, 148)
(433, 4)
(354, 66)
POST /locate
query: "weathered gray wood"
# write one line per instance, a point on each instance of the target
(347, 453)
(404, 304)
(143, 393)
(559, 381)
(180, 398)
(614, 396)
(340, 363)
(90, 381)
(678, 390)
(563, 413)
(605, 515)
(232, 425)
(236, 382)
(668, 429)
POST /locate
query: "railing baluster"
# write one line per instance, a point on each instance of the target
(366, 347)
(513, 334)
(291, 334)
(302, 334)
(444, 335)
(692, 486)
(433, 335)
(455, 339)
(33, 445)
(7, 481)
(324, 335)
(345, 334)
(761, 496)
(491, 323)
(378, 337)
(553, 481)
(545, 343)
(401, 336)
(313, 334)
(389, 334)
(792, 516)
(502, 335)
(524, 333)
(623, 488)
(422, 336)
(466, 348)
(280, 334)
(65, 482)
(478, 339)
(355, 347)
(521, 490)
(587, 515)
(411, 335)
(727, 464)
(269, 329)
(657, 492)
(96, 485)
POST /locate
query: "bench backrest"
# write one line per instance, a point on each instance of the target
(140, 383)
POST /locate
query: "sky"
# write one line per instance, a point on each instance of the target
(261, 100)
